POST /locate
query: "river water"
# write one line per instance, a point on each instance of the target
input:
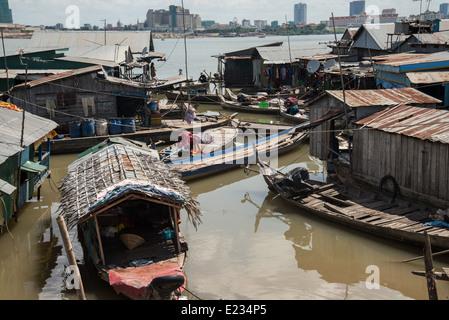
(250, 245)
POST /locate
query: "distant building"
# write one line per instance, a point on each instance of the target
(275, 24)
(300, 13)
(444, 8)
(5, 12)
(260, 24)
(174, 19)
(356, 8)
(246, 23)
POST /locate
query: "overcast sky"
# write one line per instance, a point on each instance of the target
(50, 12)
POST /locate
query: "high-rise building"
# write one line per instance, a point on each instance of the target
(5, 12)
(444, 8)
(356, 8)
(300, 13)
(174, 19)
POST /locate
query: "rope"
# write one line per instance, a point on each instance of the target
(191, 293)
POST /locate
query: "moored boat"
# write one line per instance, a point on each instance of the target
(299, 117)
(202, 143)
(264, 107)
(126, 204)
(245, 154)
(357, 208)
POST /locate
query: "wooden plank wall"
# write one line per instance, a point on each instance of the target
(418, 165)
(80, 87)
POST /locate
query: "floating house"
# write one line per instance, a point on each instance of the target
(414, 151)
(425, 72)
(425, 43)
(373, 40)
(87, 93)
(357, 105)
(23, 166)
(267, 67)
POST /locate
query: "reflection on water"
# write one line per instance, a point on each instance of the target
(251, 245)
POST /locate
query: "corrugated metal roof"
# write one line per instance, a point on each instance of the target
(428, 77)
(375, 36)
(383, 97)
(421, 123)
(433, 38)
(284, 54)
(412, 58)
(61, 75)
(11, 127)
(137, 40)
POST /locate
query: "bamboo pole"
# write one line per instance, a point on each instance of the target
(430, 272)
(70, 255)
(420, 257)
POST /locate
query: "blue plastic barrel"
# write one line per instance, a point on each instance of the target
(129, 125)
(75, 129)
(115, 126)
(88, 128)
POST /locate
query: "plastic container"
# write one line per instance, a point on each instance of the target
(75, 129)
(101, 127)
(115, 126)
(88, 128)
(129, 125)
(264, 105)
(168, 234)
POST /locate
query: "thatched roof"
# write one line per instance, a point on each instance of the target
(85, 181)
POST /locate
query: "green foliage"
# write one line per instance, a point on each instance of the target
(290, 29)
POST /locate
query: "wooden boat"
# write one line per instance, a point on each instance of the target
(357, 208)
(126, 204)
(244, 154)
(195, 97)
(209, 141)
(300, 117)
(251, 107)
(150, 135)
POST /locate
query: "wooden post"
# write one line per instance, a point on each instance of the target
(100, 244)
(70, 254)
(430, 274)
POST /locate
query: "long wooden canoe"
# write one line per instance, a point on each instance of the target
(244, 154)
(359, 209)
(251, 107)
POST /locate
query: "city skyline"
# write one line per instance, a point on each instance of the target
(51, 12)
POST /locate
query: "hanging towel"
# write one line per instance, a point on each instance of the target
(51, 106)
(88, 102)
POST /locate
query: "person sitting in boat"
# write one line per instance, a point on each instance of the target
(190, 143)
(202, 78)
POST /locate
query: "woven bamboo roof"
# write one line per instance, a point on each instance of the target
(104, 169)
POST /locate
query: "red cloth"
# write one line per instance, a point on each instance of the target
(133, 281)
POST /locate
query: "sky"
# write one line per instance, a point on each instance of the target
(50, 12)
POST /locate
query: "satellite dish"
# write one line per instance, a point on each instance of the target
(313, 66)
(144, 51)
(329, 64)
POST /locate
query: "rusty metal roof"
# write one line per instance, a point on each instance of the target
(433, 38)
(417, 122)
(428, 77)
(61, 75)
(383, 97)
(401, 59)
